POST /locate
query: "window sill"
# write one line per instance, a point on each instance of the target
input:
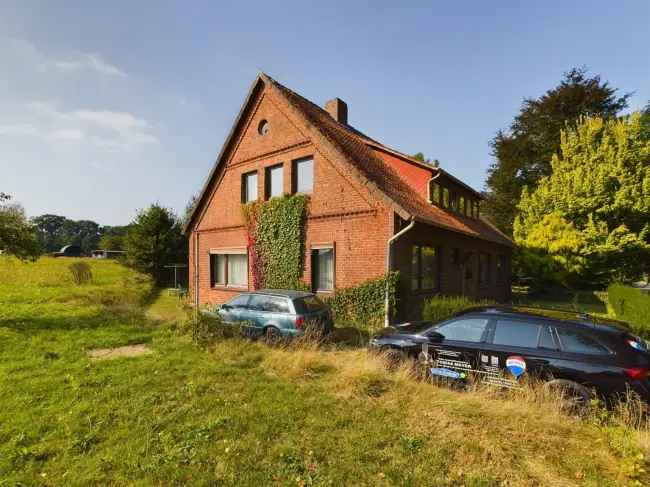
(323, 291)
(228, 287)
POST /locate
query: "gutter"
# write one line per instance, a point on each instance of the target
(389, 262)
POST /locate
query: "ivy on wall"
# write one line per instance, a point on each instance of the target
(364, 306)
(276, 241)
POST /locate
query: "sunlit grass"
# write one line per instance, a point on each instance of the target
(243, 413)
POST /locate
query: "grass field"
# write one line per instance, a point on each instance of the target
(242, 413)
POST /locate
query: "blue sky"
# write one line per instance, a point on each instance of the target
(110, 106)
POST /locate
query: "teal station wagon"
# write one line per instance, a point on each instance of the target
(275, 313)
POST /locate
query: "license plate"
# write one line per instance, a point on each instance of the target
(448, 373)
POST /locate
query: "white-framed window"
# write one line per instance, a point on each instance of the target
(228, 267)
(303, 175)
(249, 187)
(322, 268)
(274, 181)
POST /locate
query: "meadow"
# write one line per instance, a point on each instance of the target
(238, 412)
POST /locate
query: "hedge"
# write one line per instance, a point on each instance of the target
(631, 305)
(364, 306)
(440, 308)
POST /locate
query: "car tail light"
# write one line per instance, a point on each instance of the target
(300, 322)
(637, 373)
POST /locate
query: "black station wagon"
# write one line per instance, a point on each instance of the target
(502, 345)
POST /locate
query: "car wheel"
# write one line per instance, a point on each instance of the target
(574, 397)
(395, 357)
(272, 335)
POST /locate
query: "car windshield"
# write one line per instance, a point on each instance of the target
(308, 304)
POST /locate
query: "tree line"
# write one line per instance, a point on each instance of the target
(151, 241)
(570, 182)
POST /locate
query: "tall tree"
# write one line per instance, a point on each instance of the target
(155, 240)
(17, 235)
(189, 208)
(645, 122)
(523, 153)
(589, 221)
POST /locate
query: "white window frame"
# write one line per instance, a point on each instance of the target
(294, 170)
(226, 252)
(324, 246)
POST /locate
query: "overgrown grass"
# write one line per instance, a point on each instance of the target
(243, 413)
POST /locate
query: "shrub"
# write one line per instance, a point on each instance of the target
(364, 306)
(81, 273)
(442, 307)
(206, 329)
(631, 305)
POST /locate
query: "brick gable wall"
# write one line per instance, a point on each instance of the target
(342, 212)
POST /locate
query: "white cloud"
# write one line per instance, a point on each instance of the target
(24, 52)
(21, 129)
(85, 61)
(104, 129)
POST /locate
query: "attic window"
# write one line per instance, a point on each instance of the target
(263, 127)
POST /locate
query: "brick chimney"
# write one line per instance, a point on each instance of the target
(338, 109)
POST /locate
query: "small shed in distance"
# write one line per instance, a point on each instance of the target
(107, 254)
(69, 251)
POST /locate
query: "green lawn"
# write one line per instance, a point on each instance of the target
(245, 414)
(581, 301)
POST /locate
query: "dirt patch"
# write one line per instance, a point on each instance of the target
(127, 351)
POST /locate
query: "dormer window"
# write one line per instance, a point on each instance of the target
(445, 198)
(434, 193)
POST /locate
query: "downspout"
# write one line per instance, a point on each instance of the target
(196, 272)
(389, 254)
(429, 195)
(389, 264)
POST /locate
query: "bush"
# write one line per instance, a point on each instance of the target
(631, 305)
(364, 306)
(206, 329)
(442, 307)
(81, 273)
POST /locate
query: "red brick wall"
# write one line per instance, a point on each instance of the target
(341, 211)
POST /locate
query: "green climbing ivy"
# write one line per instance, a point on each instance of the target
(276, 241)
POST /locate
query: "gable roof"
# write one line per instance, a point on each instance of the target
(358, 150)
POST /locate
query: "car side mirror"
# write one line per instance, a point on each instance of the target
(435, 337)
(225, 307)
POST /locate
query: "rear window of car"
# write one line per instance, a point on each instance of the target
(271, 304)
(575, 341)
(308, 304)
(516, 333)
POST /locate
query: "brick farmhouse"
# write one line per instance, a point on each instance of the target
(372, 209)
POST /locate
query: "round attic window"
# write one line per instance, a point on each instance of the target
(263, 127)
